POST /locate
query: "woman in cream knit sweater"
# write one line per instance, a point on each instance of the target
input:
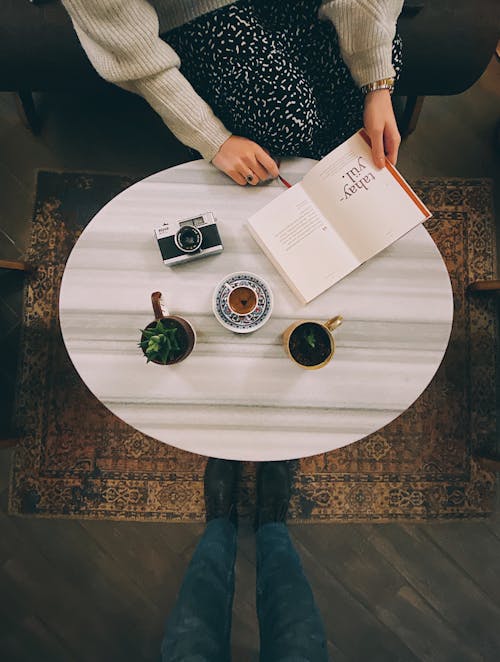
(237, 81)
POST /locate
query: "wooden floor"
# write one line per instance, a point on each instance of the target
(99, 591)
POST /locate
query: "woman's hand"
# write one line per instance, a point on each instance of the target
(380, 125)
(241, 159)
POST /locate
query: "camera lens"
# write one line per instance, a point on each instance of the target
(188, 239)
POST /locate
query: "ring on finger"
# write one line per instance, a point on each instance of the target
(249, 178)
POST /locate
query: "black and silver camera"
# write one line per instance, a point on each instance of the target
(189, 239)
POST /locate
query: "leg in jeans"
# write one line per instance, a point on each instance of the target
(199, 627)
(291, 629)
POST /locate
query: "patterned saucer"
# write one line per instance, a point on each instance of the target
(251, 321)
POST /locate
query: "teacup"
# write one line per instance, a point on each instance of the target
(242, 302)
(184, 336)
(310, 344)
(242, 299)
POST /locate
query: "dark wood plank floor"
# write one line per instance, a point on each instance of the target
(100, 591)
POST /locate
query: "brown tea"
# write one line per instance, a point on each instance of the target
(242, 300)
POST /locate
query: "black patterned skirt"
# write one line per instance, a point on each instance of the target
(272, 72)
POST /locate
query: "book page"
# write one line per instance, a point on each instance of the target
(301, 243)
(369, 207)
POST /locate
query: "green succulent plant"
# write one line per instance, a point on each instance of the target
(310, 339)
(160, 343)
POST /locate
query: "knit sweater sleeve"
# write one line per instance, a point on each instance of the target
(366, 29)
(121, 39)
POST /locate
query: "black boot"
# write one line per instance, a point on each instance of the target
(221, 484)
(273, 492)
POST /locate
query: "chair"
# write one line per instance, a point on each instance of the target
(447, 46)
(486, 459)
(15, 265)
(8, 437)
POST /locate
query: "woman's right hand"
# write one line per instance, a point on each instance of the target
(241, 159)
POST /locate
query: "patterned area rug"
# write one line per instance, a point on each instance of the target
(77, 459)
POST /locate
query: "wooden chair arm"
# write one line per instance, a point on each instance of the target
(484, 286)
(488, 463)
(8, 442)
(15, 265)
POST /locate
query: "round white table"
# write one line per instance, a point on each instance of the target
(240, 396)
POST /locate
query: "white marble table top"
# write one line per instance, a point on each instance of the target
(240, 396)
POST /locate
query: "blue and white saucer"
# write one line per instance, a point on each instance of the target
(251, 321)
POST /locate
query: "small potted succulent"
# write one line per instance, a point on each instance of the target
(169, 339)
(310, 344)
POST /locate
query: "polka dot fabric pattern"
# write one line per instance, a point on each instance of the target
(272, 72)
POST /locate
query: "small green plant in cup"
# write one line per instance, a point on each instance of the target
(169, 339)
(160, 343)
(310, 338)
(310, 343)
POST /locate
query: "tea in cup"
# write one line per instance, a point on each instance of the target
(242, 300)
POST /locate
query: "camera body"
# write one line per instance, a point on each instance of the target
(188, 239)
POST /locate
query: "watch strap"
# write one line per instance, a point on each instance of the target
(383, 84)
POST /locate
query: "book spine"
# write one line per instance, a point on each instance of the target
(400, 180)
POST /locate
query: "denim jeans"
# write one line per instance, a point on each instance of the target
(199, 627)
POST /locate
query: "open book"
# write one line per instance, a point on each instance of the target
(343, 212)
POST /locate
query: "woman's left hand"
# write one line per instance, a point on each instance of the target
(380, 125)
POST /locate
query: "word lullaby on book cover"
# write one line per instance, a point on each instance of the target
(342, 213)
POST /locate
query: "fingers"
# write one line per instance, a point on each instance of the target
(245, 161)
(243, 175)
(381, 126)
(385, 144)
(236, 177)
(378, 153)
(392, 140)
(268, 163)
(261, 166)
(254, 170)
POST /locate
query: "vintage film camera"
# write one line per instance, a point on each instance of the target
(188, 239)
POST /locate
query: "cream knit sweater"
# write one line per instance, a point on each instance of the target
(121, 39)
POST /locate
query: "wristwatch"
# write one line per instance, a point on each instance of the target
(383, 84)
